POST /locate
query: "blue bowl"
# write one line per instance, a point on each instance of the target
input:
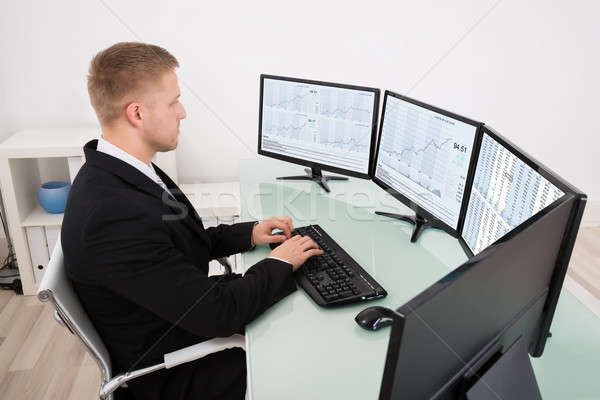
(53, 196)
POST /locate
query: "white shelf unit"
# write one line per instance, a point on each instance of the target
(28, 159)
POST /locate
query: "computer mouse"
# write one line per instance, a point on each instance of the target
(374, 318)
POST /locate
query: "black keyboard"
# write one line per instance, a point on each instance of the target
(334, 278)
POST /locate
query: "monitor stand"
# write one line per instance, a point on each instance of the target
(417, 220)
(315, 175)
(507, 375)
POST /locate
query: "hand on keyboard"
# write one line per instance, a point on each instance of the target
(296, 250)
(262, 232)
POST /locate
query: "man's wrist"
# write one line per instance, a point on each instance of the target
(252, 243)
(282, 260)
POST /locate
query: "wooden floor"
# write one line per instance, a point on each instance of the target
(584, 267)
(41, 360)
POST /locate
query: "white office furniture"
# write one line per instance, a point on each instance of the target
(28, 159)
(335, 357)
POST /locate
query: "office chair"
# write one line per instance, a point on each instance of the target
(56, 288)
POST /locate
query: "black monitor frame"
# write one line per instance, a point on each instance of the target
(311, 164)
(419, 210)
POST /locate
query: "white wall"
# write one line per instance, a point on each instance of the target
(530, 69)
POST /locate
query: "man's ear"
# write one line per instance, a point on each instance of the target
(134, 114)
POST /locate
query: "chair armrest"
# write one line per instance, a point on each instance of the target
(200, 350)
(225, 264)
(175, 358)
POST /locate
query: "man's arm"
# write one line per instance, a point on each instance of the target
(131, 253)
(237, 238)
(230, 239)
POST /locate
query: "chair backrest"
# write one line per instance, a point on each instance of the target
(56, 288)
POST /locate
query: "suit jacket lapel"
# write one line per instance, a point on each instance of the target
(145, 184)
(193, 219)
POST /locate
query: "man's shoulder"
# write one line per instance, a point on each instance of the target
(95, 191)
(96, 185)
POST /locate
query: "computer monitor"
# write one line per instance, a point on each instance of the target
(322, 125)
(423, 159)
(456, 330)
(507, 189)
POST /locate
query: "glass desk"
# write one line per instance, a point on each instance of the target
(298, 350)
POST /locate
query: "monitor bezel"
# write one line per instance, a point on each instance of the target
(405, 200)
(529, 161)
(312, 164)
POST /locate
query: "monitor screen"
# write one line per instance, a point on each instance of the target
(505, 192)
(318, 124)
(424, 155)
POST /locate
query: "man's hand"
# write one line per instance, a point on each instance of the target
(262, 232)
(296, 250)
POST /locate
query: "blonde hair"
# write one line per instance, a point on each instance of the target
(121, 71)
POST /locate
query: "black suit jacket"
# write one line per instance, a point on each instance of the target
(138, 260)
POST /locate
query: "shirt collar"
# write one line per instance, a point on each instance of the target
(112, 150)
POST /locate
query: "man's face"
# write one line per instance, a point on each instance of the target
(162, 113)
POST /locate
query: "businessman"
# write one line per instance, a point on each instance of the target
(137, 253)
